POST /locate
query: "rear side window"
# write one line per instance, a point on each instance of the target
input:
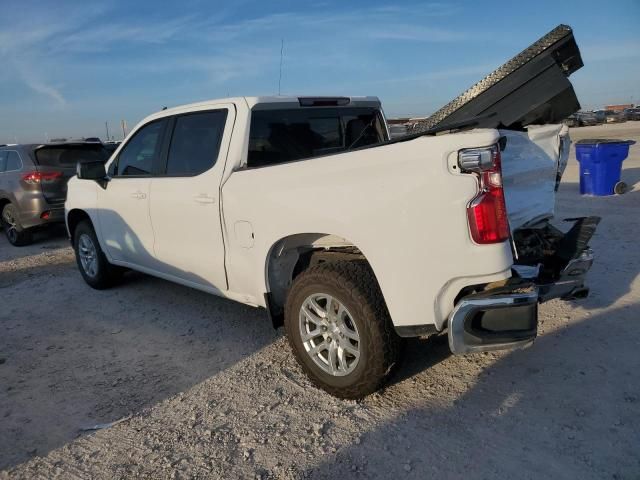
(278, 136)
(13, 162)
(195, 142)
(138, 155)
(69, 155)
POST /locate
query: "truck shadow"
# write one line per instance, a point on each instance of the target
(77, 357)
(564, 408)
(420, 354)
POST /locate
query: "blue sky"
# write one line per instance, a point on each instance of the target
(67, 67)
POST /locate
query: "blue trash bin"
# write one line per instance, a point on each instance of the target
(601, 164)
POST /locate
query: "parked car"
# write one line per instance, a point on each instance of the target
(305, 207)
(586, 119)
(632, 114)
(613, 116)
(581, 119)
(111, 146)
(601, 115)
(33, 184)
(609, 116)
(572, 121)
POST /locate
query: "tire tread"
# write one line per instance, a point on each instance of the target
(356, 279)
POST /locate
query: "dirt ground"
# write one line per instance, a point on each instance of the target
(207, 388)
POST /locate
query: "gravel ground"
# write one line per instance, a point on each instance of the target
(206, 388)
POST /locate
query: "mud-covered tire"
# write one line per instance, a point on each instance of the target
(17, 235)
(353, 284)
(103, 274)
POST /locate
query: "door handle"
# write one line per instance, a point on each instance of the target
(204, 198)
(139, 195)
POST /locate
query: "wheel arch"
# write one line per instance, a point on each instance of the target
(293, 254)
(74, 217)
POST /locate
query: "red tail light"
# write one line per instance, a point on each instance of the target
(35, 178)
(486, 213)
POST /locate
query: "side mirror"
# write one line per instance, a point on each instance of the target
(92, 171)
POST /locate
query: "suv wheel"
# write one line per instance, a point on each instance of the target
(15, 232)
(339, 329)
(92, 262)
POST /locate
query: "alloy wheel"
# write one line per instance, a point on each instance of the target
(329, 334)
(88, 255)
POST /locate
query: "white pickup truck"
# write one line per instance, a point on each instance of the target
(305, 207)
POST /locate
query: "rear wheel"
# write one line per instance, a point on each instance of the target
(15, 232)
(92, 262)
(339, 329)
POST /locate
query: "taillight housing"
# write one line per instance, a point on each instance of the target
(36, 178)
(487, 212)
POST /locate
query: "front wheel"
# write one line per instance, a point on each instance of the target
(339, 329)
(92, 262)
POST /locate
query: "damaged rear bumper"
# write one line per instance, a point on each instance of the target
(561, 272)
(570, 284)
(507, 316)
(493, 321)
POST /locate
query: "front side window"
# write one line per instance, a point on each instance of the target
(13, 161)
(195, 142)
(138, 155)
(278, 136)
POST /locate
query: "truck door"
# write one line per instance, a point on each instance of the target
(185, 197)
(123, 206)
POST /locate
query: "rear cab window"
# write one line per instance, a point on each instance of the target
(278, 136)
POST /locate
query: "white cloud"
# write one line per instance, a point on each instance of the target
(45, 89)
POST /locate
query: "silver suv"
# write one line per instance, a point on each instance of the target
(33, 184)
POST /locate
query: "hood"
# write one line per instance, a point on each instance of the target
(531, 88)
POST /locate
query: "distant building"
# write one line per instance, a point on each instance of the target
(618, 108)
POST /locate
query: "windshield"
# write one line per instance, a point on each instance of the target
(70, 155)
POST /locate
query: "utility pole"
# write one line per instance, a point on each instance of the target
(106, 124)
(280, 76)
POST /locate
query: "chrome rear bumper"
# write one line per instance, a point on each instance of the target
(484, 322)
